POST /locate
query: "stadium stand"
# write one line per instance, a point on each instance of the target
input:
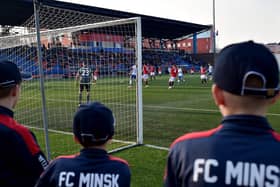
(152, 27)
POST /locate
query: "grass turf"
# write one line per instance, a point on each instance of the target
(167, 114)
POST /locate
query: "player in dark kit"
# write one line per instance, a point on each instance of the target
(243, 150)
(84, 75)
(21, 160)
(93, 127)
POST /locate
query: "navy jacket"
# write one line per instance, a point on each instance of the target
(243, 151)
(21, 160)
(92, 167)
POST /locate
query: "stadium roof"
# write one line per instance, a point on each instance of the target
(16, 12)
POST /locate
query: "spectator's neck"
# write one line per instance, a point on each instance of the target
(7, 103)
(226, 111)
(103, 147)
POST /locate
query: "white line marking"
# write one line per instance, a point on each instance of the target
(159, 107)
(70, 133)
(157, 147)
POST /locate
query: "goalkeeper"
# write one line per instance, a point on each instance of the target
(85, 77)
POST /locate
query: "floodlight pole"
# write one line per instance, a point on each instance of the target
(36, 5)
(214, 30)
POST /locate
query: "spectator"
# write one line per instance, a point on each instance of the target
(21, 160)
(93, 127)
(244, 150)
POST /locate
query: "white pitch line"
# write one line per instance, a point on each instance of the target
(157, 147)
(145, 106)
(195, 109)
(178, 108)
(160, 107)
(51, 130)
(70, 133)
(166, 107)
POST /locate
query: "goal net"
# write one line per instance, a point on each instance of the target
(69, 39)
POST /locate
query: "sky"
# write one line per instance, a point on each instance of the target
(235, 20)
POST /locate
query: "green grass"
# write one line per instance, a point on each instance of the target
(167, 114)
(147, 165)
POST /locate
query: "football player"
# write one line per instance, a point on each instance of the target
(84, 76)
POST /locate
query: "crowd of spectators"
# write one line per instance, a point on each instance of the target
(65, 61)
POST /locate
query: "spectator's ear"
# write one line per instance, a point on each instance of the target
(15, 90)
(109, 141)
(275, 98)
(218, 95)
(76, 140)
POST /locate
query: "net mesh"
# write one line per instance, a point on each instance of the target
(69, 40)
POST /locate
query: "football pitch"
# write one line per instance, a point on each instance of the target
(167, 114)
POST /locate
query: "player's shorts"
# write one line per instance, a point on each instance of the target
(203, 77)
(159, 72)
(180, 77)
(172, 79)
(95, 77)
(152, 73)
(86, 86)
(133, 77)
(145, 77)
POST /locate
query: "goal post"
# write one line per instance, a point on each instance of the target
(109, 49)
(140, 130)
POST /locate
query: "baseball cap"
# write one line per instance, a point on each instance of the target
(10, 74)
(238, 64)
(93, 124)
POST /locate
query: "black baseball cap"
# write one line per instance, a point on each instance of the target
(10, 74)
(93, 124)
(237, 63)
